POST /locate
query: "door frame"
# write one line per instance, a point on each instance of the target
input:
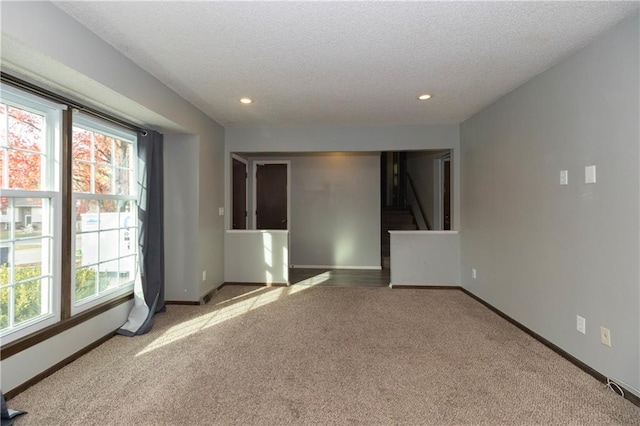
(254, 189)
(246, 192)
(439, 193)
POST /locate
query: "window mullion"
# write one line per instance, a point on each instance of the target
(113, 166)
(67, 214)
(12, 305)
(11, 259)
(92, 185)
(5, 165)
(44, 168)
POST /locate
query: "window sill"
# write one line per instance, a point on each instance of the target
(40, 336)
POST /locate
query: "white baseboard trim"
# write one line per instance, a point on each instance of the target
(370, 268)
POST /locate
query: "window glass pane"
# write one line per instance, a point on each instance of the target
(111, 206)
(5, 271)
(123, 181)
(5, 294)
(86, 215)
(103, 146)
(127, 269)
(103, 180)
(28, 300)
(122, 154)
(87, 249)
(109, 275)
(3, 125)
(29, 253)
(5, 218)
(81, 144)
(28, 217)
(25, 130)
(126, 208)
(3, 153)
(81, 177)
(109, 245)
(128, 241)
(109, 214)
(24, 170)
(86, 282)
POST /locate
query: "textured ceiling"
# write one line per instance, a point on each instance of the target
(346, 62)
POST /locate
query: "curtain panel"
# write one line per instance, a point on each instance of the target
(149, 283)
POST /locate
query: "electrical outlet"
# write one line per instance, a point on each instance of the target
(204, 275)
(590, 174)
(605, 336)
(564, 177)
(474, 273)
(581, 324)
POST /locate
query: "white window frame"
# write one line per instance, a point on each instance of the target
(50, 189)
(98, 126)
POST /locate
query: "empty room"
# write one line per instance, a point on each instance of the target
(321, 212)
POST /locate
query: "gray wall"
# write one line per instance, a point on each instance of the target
(257, 256)
(335, 210)
(312, 138)
(68, 57)
(425, 258)
(210, 225)
(181, 159)
(545, 253)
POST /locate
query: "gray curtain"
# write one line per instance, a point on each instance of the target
(149, 284)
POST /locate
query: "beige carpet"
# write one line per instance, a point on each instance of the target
(325, 355)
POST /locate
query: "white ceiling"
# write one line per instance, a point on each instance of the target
(346, 62)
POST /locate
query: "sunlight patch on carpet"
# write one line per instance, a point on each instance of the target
(258, 298)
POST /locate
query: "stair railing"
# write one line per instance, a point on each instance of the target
(416, 206)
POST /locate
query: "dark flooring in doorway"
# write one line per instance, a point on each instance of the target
(339, 277)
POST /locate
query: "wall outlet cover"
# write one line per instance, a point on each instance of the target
(564, 177)
(605, 336)
(581, 324)
(590, 174)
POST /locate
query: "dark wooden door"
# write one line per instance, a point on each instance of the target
(239, 202)
(446, 196)
(271, 196)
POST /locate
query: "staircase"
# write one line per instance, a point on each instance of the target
(394, 220)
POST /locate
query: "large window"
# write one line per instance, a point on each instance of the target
(105, 211)
(51, 270)
(29, 213)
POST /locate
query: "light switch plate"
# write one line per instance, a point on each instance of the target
(220, 211)
(564, 177)
(590, 174)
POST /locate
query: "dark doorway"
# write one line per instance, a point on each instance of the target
(271, 196)
(393, 180)
(239, 202)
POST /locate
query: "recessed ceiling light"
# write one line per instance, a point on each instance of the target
(424, 97)
(246, 101)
